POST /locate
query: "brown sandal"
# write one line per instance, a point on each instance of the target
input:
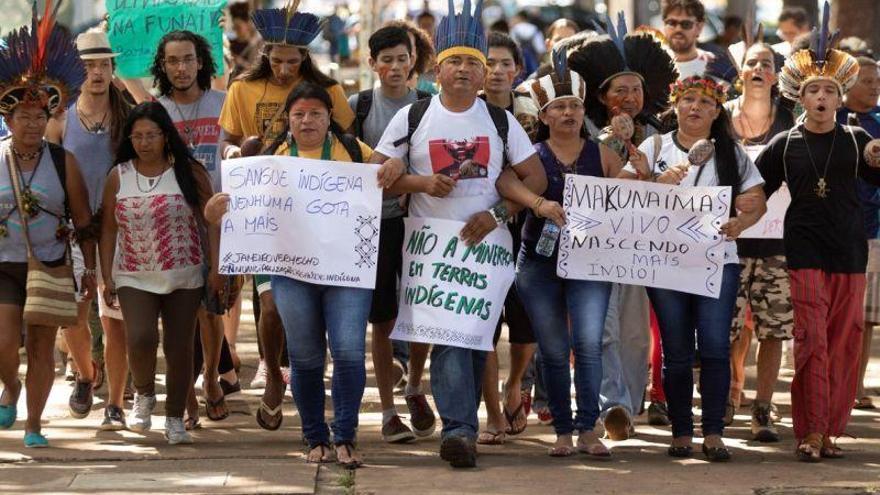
(810, 448)
(830, 450)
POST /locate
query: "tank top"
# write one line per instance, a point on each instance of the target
(43, 227)
(159, 249)
(92, 152)
(588, 163)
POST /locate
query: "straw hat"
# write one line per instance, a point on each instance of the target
(94, 44)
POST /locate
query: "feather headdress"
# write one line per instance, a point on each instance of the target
(462, 34)
(287, 26)
(617, 53)
(39, 66)
(560, 83)
(819, 62)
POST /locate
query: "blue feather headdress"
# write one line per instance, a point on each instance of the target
(559, 84)
(819, 62)
(39, 66)
(462, 34)
(287, 26)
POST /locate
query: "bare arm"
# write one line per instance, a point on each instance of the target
(81, 214)
(203, 184)
(612, 164)
(137, 89)
(231, 145)
(109, 228)
(746, 218)
(55, 129)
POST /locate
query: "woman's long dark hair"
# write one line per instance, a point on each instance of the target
(727, 163)
(307, 70)
(174, 146)
(304, 91)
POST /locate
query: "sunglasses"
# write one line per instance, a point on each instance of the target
(686, 24)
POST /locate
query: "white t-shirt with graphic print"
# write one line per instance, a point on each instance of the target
(462, 145)
(672, 153)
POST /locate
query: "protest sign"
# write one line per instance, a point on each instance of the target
(450, 293)
(770, 226)
(136, 26)
(643, 233)
(312, 220)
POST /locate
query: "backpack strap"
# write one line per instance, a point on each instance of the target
(422, 95)
(59, 159)
(362, 110)
(352, 147)
(413, 118)
(502, 127)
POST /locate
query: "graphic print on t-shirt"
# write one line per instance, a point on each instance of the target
(268, 123)
(461, 159)
(205, 134)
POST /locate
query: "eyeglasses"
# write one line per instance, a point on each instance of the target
(146, 138)
(686, 24)
(186, 62)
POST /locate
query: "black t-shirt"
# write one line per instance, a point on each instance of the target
(765, 248)
(821, 233)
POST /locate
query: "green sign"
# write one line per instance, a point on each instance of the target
(136, 26)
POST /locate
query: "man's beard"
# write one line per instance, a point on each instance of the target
(681, 46)
(183, 89)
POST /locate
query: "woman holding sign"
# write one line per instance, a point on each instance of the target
(567, 315)
(314, 314)
(152, 256)
(687, 157)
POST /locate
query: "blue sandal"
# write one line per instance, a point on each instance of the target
(8, 412)
(34, 440)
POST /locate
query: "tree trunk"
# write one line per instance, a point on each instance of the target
(811, 6)
(857, 18)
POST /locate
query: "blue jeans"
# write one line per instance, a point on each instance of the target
(566, 315)
(679, 315)
(456, 382)
(313, 314)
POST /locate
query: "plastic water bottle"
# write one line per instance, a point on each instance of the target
(549, 235)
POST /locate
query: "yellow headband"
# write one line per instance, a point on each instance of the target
(461, 50)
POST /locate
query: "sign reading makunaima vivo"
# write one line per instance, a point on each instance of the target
(450, 293)
(311, 220)
(643, 233)
(136, 26)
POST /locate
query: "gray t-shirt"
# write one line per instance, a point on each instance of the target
(381, 111)
(204, 135)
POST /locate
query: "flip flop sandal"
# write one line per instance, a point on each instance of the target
(810, 448)
(213, 405)
(564, 451)
(352, 463)
(192, 424)
(830, 450)
(511, 418)
(272, 413)
(325, 448)
(864, 403)
(489, 437)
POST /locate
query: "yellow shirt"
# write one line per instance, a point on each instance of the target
(337, 153)
(252, 108)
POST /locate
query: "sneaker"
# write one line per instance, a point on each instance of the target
(729, 413)
(394, 431)
(259, 380)
(544, 416)
(81, 399)
(114, 419)
(285, 374)
(398, 373)
(143, 408)
(459, 452)
(175, 431)
(617, 424)
(763, 429)
(658, 415)
(421, 417)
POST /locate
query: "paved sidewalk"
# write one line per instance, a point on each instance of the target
(236, 456)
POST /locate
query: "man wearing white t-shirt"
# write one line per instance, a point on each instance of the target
(682, 23)
(457, 123)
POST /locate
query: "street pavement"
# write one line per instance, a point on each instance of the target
(236, 456)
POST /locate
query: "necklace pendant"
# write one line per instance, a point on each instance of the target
(822, 188)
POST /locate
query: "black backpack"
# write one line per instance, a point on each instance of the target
(59, 159)
(350, 143)
(365, 103)
(418, 109)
